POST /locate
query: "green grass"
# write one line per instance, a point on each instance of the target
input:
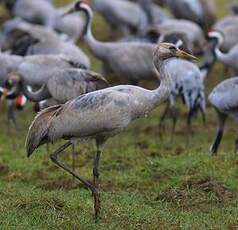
(147, 183)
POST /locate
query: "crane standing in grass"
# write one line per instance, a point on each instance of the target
(224, 98)
(100, 115)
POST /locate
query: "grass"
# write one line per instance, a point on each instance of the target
(147, 183)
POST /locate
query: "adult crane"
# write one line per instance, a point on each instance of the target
(100, 115)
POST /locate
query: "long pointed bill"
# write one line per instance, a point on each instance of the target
(183, 54)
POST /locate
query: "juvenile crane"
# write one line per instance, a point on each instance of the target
(100, 115)
(224, 98)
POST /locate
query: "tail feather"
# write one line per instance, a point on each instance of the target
(38, 131)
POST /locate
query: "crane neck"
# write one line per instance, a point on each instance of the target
(37, 96)
(97, 47)
(219, 55)
(163, 91)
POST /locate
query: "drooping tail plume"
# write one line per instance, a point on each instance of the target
(38, 131)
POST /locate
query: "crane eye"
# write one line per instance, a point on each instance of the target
(172, 48)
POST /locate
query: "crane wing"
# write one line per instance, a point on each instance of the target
(88, 115)
(70, 83)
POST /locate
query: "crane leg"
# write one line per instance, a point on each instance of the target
(73, 158)
(96, 194)
(11, 116)
(221, 124)
(54, 157)
(174, 114)
(204, 120)
(189, 123)
(162, 118)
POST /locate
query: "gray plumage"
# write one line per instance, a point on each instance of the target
(44, 13)
(127, 15)
(228, 26)
(72, 25)
(37, 69)
(60, 84)
(230, 59)
(187, 83)
(70, 83)
(39, 12)
(193, 32)
(99, 115)
(130, 60)
(8, 63)
(199, 11)
(224, 99)
(30, 39)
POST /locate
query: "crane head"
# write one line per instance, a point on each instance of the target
(169, 50)
(218, 36)
(78, 6)
(13, 78)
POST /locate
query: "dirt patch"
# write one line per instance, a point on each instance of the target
(219, 189)
(233, 226)
(198, 194)
(4, 170)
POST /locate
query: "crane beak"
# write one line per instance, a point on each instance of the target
(183, 54)
(70, 11)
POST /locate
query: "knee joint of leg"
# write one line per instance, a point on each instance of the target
(53, 157)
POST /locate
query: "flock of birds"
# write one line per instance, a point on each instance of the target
(40, 62)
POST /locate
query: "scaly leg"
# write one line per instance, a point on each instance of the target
(54, 157)
(162, 118)
(221, 123)
(174, 114)
(11, 116)
(189, 124)
(73, 159)
(96, 174)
